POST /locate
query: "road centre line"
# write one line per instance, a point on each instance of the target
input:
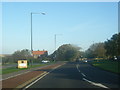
(79, 70)
(77, 66)
(83, 74)
(96, 84)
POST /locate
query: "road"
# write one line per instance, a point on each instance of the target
(76, 75)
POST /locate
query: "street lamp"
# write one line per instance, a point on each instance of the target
(43, 13)
(55, 40)
(55, 45)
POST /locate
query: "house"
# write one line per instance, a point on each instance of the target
(38, 54)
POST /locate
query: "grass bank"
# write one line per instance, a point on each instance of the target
(14, 69)
(112, 66)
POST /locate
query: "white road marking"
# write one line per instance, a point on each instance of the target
(77, 66)
(83, 74)
(36, 80)
(41, 77)
(24, 73)
(14, 75)
(96, 84)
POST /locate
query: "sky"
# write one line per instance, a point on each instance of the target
(79, 23)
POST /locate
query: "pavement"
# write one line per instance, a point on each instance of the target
(22, 78)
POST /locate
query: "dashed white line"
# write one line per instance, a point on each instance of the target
(78, 67)
(83, 74)
(96, 84)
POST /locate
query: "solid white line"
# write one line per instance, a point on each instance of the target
(96, 84)
(36, 81)
(83, 74)
(23, 73)
(15, 75)
(41, 77)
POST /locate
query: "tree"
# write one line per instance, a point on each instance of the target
(112, 46)
(67, 52)
(23, 54)
(95, 50)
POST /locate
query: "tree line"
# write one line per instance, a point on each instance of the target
(109, 49)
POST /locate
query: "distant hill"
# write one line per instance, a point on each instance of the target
(4, 55)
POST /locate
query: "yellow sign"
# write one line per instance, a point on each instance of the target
(22, 63)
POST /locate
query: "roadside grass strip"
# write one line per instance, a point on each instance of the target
(112, 66)
(14, 69)
(27, 79)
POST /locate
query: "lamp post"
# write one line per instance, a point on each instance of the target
(32, 31)
(55, 39)
(55, 44)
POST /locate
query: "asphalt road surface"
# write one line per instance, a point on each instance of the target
(76, 75)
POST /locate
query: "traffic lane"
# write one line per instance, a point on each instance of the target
(66, 76)
(98, 75)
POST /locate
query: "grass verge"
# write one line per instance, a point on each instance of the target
(112, 66)
(14, 69)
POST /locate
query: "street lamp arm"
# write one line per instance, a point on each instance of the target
(43, 13)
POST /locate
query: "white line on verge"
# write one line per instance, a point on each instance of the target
(14, 75)
(96, 84)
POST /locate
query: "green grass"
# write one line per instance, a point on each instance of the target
(107, 65)
(14, 69)
(10, 70)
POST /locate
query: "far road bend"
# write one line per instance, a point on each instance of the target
(77, 75)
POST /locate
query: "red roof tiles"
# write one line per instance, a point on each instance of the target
(38, 52)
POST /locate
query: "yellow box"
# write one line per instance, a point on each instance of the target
(22, 63)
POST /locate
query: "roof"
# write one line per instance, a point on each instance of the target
(38, 52)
